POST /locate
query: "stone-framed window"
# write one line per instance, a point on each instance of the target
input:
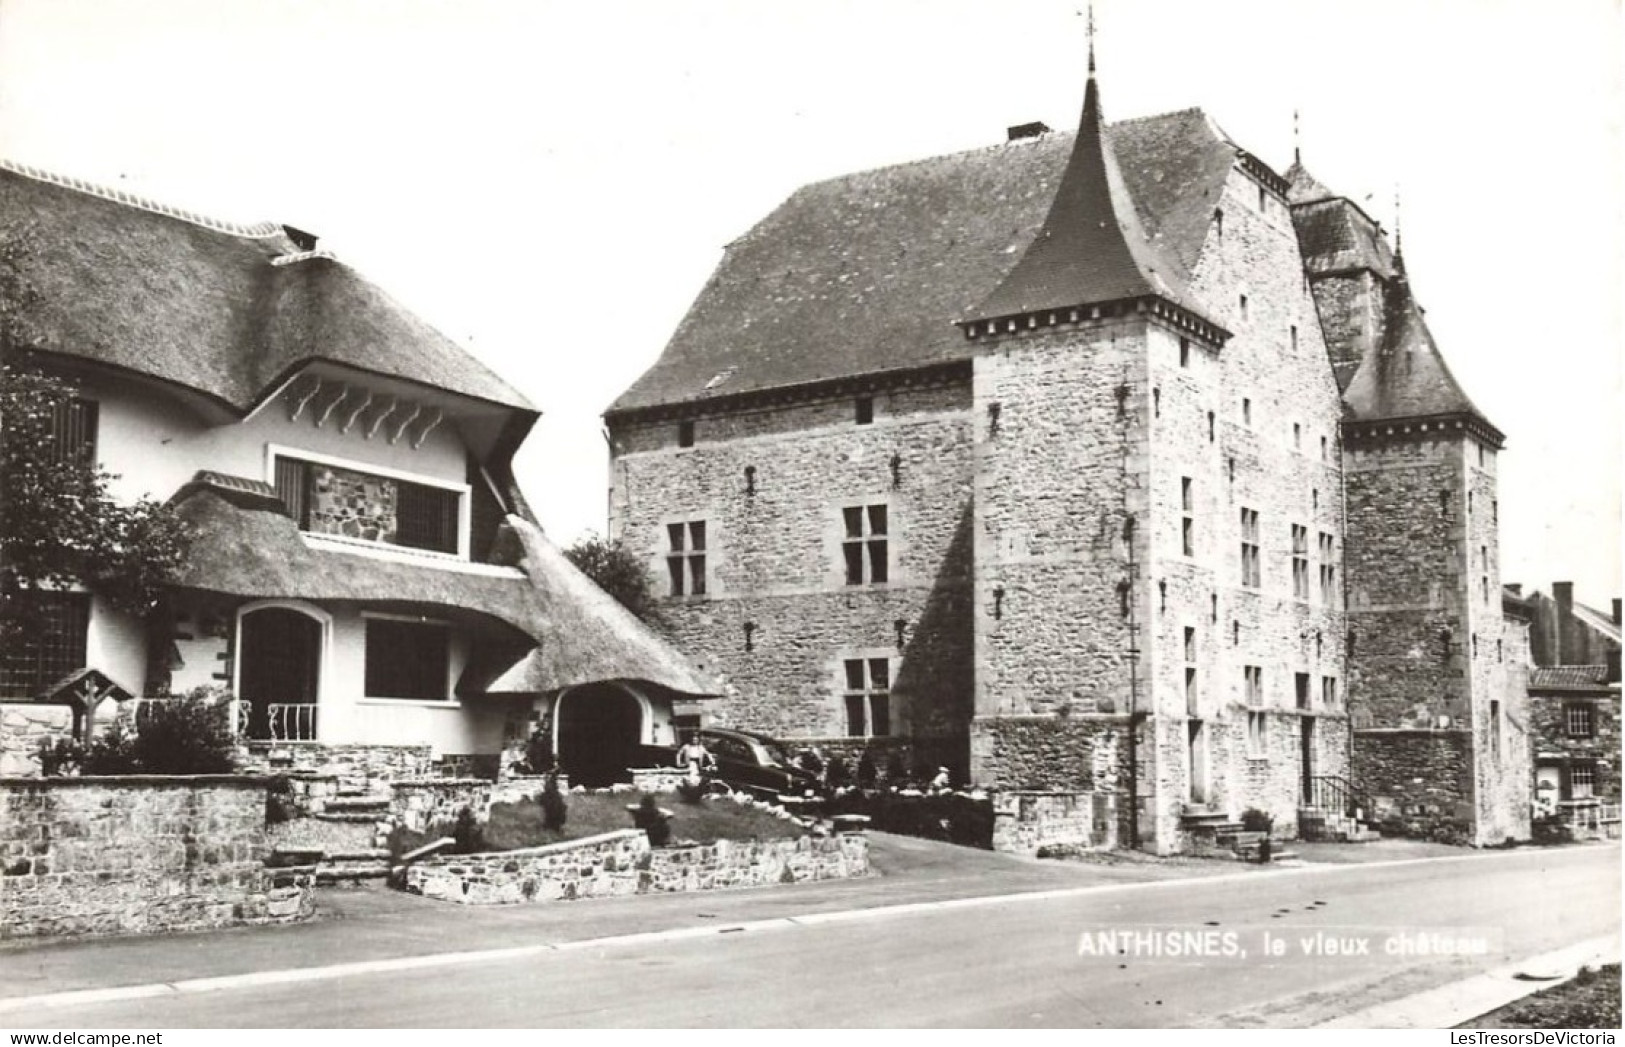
(1187, 520)
(1578, 721)
(867, 694)
(1328, 692)
(1582, 781)
(1191, 700)
(865, 544)
(1300, 562)
(686, 550)
(407, 659)
(1300, 689)
(49, 644)
(1257, 734)
(1252, 574)
(1328, 570)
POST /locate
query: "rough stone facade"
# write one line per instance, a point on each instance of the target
(1572, 729)
(352, 505)
(358, 768)
(623, 863)
(1417, 782)
(85, 856)
(24, 726)
(1024, 822)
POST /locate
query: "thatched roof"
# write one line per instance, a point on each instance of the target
(553, 627)
(228, 311)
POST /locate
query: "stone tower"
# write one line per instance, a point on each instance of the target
(1437, 705)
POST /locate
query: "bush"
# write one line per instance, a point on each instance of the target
(1254, 820)
(467, 833)
(184, 735)
(653, 821)
(59, 756)
(554, 808)
(279, 802)
(837, 773)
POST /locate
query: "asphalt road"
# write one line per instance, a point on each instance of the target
(1010, 963)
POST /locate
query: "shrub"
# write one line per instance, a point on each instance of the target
(867, 772)
(539, 757)
(184, 735)
(1254, 820)
(467, 833)
(837, 773)
(690, 790)
(554, 808)
(58, 756)
(896, 771)
(279, 803)
(652, 820)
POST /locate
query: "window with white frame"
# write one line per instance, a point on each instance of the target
(685, 557)
(864, 544)
(1577, 720)
(1328, 570)
(867, 696)
(1300, 562)
(1582, 781)
(1251, 564)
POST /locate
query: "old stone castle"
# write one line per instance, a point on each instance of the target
(1111, 461)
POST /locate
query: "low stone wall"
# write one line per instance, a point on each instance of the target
(423, 803)
(657, 779)
(23, 726)
(623, 863)
(1024, 822)
(139, 854)
(358, 768)
(1418, 783)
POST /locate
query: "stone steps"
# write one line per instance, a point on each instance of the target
(351, 868)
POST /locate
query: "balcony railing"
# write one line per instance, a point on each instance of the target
(277, 721)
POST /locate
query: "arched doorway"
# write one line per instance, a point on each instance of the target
(279, 663)
(600, 734)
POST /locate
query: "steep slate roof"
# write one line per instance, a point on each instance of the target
(865, 273)
(1569, 678)
(1091, 248)
(1334, 235)
(199, 303)
(1404, 375)
(1598, 621)
(562, 629)
(1303, 187)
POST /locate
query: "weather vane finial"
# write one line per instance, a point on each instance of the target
(1091, 32)
(1297, 139)
(1396, 219)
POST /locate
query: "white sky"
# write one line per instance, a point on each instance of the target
(552, 183)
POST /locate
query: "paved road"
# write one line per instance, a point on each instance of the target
(992, 964)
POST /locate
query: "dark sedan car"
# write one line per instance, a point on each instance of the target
(754, 763)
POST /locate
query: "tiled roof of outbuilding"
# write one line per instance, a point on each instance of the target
(126, 282)
(865, 273)
(1569, 678)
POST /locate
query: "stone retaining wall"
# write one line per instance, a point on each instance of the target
(359, 768)
(109, 855)
(623, 863)
(23, 726)
(1023, 822)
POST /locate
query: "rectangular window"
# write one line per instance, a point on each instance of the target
(864, 410)
(1300, 562)
(1251, 569)
(1582, 781)
(1577, 720)
(1184, 352)
(868, 697)
(1297, 437)
(1257, 735)
(1253, 686)
(73, 431)
(1187, 504)
(685, 557)
(1323, 449)
(408, 660)
(1328, 692)
(1246, 411)
(1495, 726)
(864, 545)
(1300, 685)
(1243, 308)
(1328, 571)
(351, 503)
(1191, 702)
(1293, 330)
(49, 642)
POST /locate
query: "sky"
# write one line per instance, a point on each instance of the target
(551, 183)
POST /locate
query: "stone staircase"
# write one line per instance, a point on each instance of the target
(1322, 826)
(345, 840)
(1214, 834)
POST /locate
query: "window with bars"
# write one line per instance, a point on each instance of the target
(1577, 721)
(865, 544)
(74, 425)
(1582, 781)
(685, 557)
(1251, 566)
(407, 659)
(350, 503)
(1300, 562)
(48, 643)
(1187, 523)
(868, 697)
(1328, 570)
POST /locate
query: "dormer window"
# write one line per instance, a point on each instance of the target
(864, 410)
(364, 506)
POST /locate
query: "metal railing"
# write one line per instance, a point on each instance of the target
(277, 721)
(1334, 794)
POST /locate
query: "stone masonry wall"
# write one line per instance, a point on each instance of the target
(1417, 783)
(622, 863)
(770, 485)
(358, 768)
(1023, 822)
(23, 727)
(352, 504)
(1549, 725)
(139, 855)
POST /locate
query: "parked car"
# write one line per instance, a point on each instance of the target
(755, 763)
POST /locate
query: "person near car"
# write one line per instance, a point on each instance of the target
(695, 757)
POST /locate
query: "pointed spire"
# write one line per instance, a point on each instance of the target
(1399, 245)
(1091, 249)
(1297, 141)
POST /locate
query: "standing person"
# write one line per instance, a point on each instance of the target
(696, 757)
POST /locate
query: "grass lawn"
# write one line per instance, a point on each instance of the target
(1589, 1001)
(516, 825)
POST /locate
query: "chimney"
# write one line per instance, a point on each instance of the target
(1563, 596)
(1616, 610)
(1515, 588)
(1036, 129)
